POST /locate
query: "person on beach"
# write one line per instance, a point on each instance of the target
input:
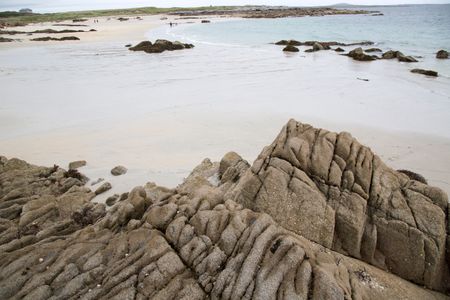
(171, 24)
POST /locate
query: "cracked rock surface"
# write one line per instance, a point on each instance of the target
(284, 228)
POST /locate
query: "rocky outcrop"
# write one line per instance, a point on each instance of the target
(48, 38)
(358, 54)
(257, 12)
(5, 40)
(399, 55)
(425, 72)
(323, 44)
(332, 190)
(442, 54)
(160, 46)
(196, 242)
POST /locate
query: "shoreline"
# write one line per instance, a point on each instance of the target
(420, 152)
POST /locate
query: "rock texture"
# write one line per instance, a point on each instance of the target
(160, 46)
(196, 242)
(332, 190)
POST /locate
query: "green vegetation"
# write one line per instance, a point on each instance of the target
(15, 18)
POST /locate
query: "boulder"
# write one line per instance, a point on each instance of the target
(339, 49)
(119, 170)
(77, 164)
(425, 72)
(358, 54)
(336, 192)
(442, 54)
(103, 188)
(160, 46)
(290, 48)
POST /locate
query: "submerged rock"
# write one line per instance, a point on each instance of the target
(425, 72)
(294, 225)
(442, 54)
(290, 48)
(160, 46)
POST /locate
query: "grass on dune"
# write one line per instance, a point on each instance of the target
(15, 18)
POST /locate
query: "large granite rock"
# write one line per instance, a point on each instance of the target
(332, 190)
(195, 242)
(160, 46)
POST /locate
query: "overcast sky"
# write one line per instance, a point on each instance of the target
(66, 5)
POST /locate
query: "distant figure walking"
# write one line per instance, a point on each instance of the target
(170, 24)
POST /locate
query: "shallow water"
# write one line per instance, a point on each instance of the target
(160, 115)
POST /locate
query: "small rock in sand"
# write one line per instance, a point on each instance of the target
(124, 196)
(206, 21)
(358, 54)
(118, 170)
(77, 164)
(339, 49)
(103, 188)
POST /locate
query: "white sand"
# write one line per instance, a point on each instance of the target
(160, 115)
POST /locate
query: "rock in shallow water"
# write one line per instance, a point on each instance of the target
(160, 46)
(442, 54)
(119, 170)
(290, 48)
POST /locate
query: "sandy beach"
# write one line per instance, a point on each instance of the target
(162, 141)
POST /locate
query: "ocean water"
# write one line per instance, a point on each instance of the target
(418, 30)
